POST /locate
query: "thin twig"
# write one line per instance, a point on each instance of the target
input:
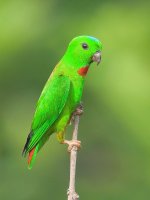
(72, 195)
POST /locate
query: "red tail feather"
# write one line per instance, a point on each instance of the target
(30, 155)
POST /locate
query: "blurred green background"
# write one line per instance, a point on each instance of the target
(114, 163)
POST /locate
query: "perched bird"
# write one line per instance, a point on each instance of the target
(62, 95)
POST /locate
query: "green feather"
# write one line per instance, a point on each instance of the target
(62, 93)
(49, 107)
(38, 146)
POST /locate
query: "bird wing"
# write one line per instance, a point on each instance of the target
(49, 107)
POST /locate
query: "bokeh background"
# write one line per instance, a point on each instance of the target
(114, 163)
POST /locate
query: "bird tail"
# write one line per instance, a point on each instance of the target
(33, 152)
(32, 155)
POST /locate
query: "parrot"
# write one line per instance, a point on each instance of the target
(62, 95)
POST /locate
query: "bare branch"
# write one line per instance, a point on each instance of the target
(72, 195)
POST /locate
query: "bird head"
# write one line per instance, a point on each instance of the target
(84, 50)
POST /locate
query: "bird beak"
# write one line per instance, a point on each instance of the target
(97, 57)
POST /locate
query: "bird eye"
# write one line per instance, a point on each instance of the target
(84, 46)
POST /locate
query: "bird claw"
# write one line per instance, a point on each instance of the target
(72, 143)
(79, 110)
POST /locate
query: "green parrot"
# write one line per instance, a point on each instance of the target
(62, 95)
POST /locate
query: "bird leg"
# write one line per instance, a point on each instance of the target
(70, 143)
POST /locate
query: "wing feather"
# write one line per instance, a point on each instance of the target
(49, 107)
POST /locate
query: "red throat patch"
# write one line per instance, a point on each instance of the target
(83, 71)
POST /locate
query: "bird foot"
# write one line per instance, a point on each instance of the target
(78, 111)
(72, 143)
